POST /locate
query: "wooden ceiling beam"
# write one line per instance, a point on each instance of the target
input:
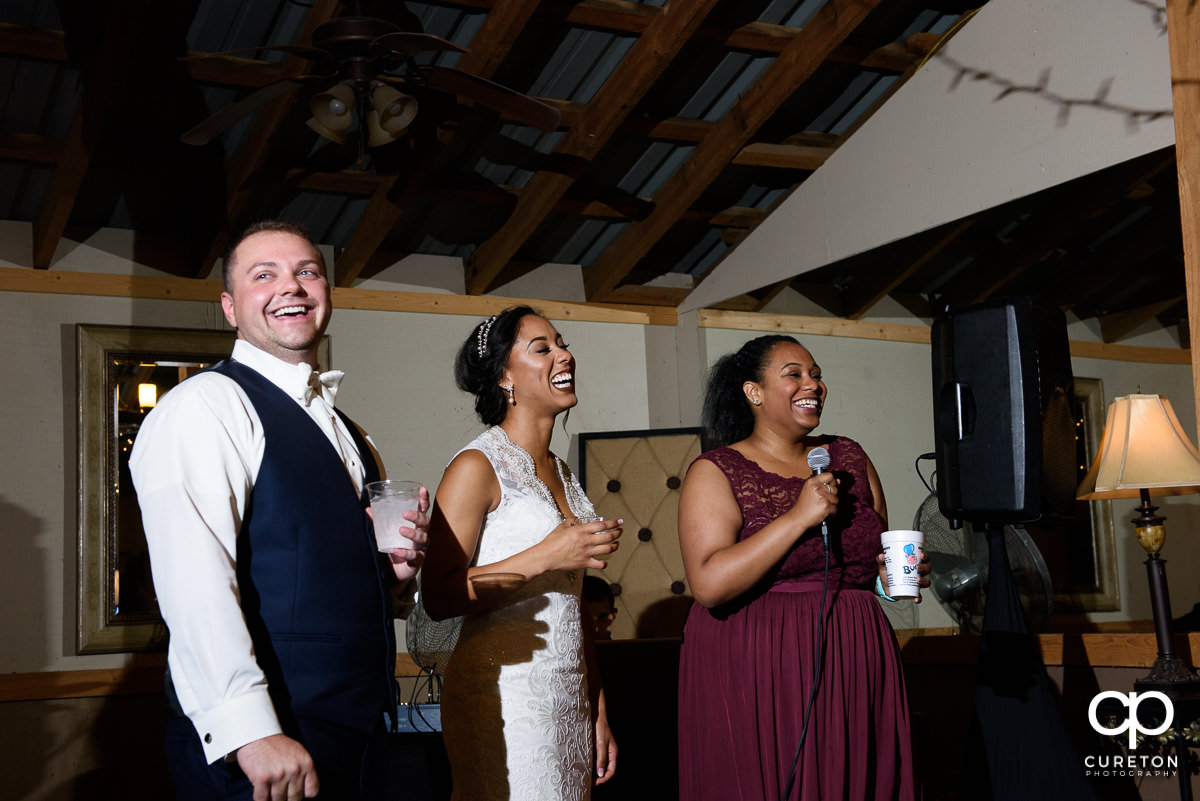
(255, 150)
(45, 44)
(649, 57)
(1035, 240)
(1183, 37)
(357, 182)
(827, 296)
(488, 49)
(644, 295)
(31, 148)
(101, 84)
(868, 290)
(836, 20)
(772, 292)
(620, 16)
(1118, 325)
(40, 44)
(1116, 259)
(784, 157)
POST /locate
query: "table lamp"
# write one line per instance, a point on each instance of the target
(1144, 452)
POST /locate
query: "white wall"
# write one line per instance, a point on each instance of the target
(399, 387)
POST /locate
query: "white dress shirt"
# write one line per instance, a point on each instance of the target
(194, 464)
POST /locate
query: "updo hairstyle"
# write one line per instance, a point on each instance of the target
(727, 416)
(478, 370)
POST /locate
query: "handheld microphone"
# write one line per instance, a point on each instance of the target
(818, 462)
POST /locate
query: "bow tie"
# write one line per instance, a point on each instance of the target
(330, 380)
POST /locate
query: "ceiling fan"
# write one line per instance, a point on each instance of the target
(364, 70)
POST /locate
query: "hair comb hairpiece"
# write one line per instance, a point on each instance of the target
(484, 328)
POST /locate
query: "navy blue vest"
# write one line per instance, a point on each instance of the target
(314, 589)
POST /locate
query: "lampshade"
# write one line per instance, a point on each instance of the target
(1143, 447)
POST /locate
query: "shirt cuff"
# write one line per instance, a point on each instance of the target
(236, 722)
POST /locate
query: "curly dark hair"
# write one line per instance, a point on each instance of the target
(278, 226)
(727, 416)
(479, 372)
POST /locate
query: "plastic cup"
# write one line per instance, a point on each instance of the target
(603, 557)
(389, 500)
(902, 557)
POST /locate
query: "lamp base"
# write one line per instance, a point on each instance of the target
(1170, 670)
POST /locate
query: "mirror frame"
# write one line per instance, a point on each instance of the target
(97, 346)
(1103, 592)
(1105, 595)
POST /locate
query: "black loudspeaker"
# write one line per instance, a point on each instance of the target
(1003, 422)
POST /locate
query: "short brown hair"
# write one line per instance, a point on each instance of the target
(269, 225)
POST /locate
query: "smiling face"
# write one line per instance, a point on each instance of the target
(540, 368)
(278, 298)
(791, 392)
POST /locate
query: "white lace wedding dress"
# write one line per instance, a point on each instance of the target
(515, 713)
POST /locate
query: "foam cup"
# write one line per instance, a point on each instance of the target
(902, 557)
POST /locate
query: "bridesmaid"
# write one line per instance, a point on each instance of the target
(786, 641)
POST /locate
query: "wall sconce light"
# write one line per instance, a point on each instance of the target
(147, 395)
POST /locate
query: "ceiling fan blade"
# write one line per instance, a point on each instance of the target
(224, 118)
(310, 53)
(407, 45)
(493, 95)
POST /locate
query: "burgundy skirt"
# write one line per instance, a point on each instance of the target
(744, 683)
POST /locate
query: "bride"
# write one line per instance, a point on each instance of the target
(523, 714)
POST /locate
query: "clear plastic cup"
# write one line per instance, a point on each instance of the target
(389, 501)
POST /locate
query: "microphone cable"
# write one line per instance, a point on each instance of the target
(817, 671)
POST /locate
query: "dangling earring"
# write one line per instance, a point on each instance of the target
(511, 400)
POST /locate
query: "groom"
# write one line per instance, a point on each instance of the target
(282, 652)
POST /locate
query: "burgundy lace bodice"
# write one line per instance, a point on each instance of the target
(854, 530)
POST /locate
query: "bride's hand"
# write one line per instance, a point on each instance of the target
(576, 545)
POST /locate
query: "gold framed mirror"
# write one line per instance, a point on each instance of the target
(1081, 553)
(120, 374)
(118, 370)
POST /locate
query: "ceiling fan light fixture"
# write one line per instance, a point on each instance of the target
(331, 116)
(377, 135)
(396, 110)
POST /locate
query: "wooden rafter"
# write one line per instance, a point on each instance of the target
(861, 295)
(31, 147)
(620, 16)
(246, 166)
(101, 85)
(1149, 238)
(1183, 35)
(1044, 233)
(357, 182)
(44, 44)
(770, 293)
(1115, 327)
(802, 56)
(826, 296)
(489, 47)
(785, 157)
(628, 83)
